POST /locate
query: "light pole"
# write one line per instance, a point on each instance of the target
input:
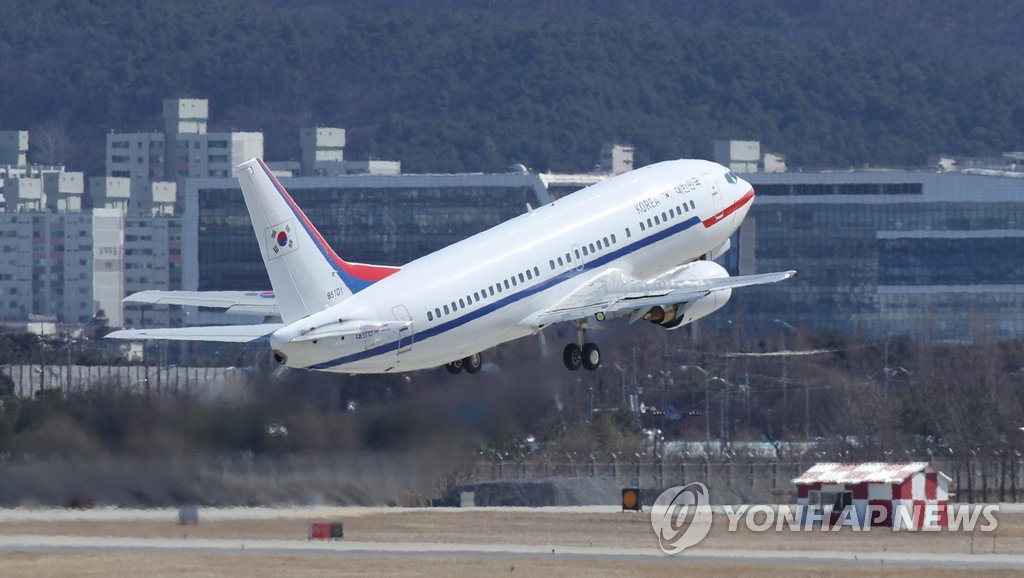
(707, 405)
(622, 374)
(785, 380)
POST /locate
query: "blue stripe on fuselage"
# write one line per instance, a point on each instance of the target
(522, 294)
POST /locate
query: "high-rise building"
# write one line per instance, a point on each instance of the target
(61, 265)
(184, 150)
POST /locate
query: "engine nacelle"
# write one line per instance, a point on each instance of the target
(680, 314)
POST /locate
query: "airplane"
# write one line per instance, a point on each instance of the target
(640, 245)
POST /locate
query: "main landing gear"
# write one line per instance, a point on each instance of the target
(581, 354)
(471, 364)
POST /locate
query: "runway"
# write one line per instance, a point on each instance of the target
(590, 542)
(111, 545)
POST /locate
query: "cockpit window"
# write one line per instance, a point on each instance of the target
(731, 177)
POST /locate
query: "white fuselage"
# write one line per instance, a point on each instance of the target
(477, 293)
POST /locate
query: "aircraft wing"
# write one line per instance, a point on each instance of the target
(618, 295)
(263, 303)
(226, 333)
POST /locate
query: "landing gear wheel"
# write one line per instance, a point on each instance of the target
(454, 367)
(572, 356)
(591, 357)
(472, 363)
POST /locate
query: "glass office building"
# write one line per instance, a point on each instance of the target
(934, 255)
(386, 220)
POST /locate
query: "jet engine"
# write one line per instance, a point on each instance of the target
(677, 315)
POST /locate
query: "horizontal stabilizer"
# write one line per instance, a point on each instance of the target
(223, 333)
(261, 303)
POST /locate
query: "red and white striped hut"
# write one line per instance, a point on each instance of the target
(911, 494)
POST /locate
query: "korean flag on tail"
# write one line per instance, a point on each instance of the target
(280, 239)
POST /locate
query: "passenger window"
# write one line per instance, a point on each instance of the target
(476, 296)
(437, 312)
(606, 242)
(642, 227)
(521, 278)
(514, 282)
(628, 234)
(506, 283)
(491, 289)
(664, 217)
(613, 238)
(529, 274)
(469, 299)
(577, 254)
(649, 224)
(592, 248)
(430, 316)
(461, 302)
(693, 205)
(656, 220)
(552, 263)
(455, 307)
(672, 212)
(585, 253)
(560, 262)
(446, 310)
(536, 271)
(499, 287)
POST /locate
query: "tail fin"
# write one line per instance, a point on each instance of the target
(305, 272)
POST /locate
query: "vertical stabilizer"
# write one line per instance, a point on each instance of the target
(306, 274)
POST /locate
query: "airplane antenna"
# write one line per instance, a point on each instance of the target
(529, 208)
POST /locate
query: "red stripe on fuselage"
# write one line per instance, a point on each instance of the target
(730, 209)
(362, 271)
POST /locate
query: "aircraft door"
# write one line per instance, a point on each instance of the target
(405, 334)
(716, 194)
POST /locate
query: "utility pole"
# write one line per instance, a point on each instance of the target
(807, 411)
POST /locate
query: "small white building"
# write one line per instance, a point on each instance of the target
(907, 495)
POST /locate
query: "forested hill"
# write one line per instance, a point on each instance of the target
(446, 87)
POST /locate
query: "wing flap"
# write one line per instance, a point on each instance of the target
(625, 297)
(222, 333)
